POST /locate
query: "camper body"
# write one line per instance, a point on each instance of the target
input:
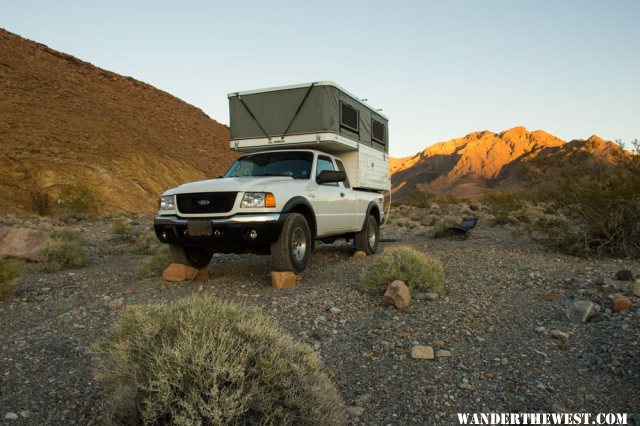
(306, 181)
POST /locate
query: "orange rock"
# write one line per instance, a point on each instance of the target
(549, 297)
(620, 303)
(282, 280)
(397, 294)
(22, 243)
(178, 272)
(438, 343)
(208, 273)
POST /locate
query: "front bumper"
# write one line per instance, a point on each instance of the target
(229, 235)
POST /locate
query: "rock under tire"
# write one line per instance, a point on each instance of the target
(294, 245)
(367, 239)
(192, 256)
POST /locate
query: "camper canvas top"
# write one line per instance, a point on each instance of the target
(303, 114)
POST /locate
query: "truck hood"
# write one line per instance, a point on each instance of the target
(244, 184)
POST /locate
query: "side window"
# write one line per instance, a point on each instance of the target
(325, 163)
(377, 132)
(349, 117)
(342, 169)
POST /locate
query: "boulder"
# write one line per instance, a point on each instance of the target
(282, 280)
(620, 303)
(580, 311)
(397, 294)
(422, 352)
(359, 253)
(177, 272)
(22, 243)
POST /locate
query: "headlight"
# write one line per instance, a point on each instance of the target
(167, 202)
(258, 199)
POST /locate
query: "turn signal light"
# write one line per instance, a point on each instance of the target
(270, 200)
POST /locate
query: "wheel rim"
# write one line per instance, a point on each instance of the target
(298, 244)
(372, 235)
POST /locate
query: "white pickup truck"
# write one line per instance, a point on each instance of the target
(316, 167)
(276, 202)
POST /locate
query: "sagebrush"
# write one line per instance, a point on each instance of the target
(64, 251)
(204, 361)
(159, 261)
(418, 270)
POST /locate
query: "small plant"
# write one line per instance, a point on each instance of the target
(418, 270)
(40, 202)
(9, 275)
(77, 202)
(503, 205)
(64, 251)
(158, 262)
(123, 230)
(147, 243)
(429, 219)
(406, 222)
(440, 228)
(204, 361)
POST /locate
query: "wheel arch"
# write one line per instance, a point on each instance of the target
(374, 210)
(302, 206)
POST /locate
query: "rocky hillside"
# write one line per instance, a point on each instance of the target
(482, 161)
(65, 121)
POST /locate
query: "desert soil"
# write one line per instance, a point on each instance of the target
(504, 295)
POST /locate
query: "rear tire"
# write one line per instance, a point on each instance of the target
(367, 239)
(192, 256)
(293, 248)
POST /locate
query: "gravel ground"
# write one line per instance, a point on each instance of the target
(494, 319)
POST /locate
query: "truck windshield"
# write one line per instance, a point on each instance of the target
(295, 164)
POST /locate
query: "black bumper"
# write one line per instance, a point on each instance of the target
(228, 235)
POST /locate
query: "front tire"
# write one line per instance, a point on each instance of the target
(192, 256)
(367, 239)
(293, 248)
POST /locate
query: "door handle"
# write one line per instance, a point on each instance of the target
(342, 194)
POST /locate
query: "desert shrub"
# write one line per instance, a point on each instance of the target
(602, 209)
(204, 361)
(429, 219)
(440, 228)
(503, 205)
(159, 261)
(425, 199)
(76, 201)
(9, 275)
(146, 242)
(406, 222)
(64, 251)
(123, 230)
(418, 270)
(40, 202)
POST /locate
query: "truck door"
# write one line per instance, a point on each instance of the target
(335, 204)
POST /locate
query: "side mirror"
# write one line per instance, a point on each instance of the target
(330, 176)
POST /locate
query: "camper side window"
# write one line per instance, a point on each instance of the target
(377, 131)
(342, 169)
(349, 117)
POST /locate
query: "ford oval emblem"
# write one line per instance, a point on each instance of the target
(203, 203)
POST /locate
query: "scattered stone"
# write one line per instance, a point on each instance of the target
(580, 311)
(541, 329)
(430, 296)
(335, 311)
(624, 275)
(549, 297)
(441, 353)
(599, 280)
(11, 416)
(177, 272)
(25, 414)
(403, 334)
(397, 294)
(636, 288)
(438, 343)
(465, 385)
(282, 280)
(362, 398)
(422, 352)
(355, 411)
(620, 303)
(359, 253)
(560, 335)
(116, 304)
(22, 243)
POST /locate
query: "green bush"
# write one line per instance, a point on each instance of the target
(64, 251)
(441, 226)
(204, 361)
(406, 222)
(159, 261)
(76, 201)
(147, 243)
(9, 275)
(123, 230)
(418, 270)
(602, 209)
(503, 205)
(40, 202)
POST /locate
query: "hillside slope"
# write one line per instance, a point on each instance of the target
(65, 121)
(482, 161)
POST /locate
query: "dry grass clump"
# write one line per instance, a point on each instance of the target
(64, 251)
(123, 230)
(146, 242)
(440, 228)
(204, 361)
(76, 202)
(406, 222)
(418, 270)
(40, 201)
(159, 261)
(429, 219)
(9, 275)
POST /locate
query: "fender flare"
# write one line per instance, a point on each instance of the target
(373, 209)
(301, 202)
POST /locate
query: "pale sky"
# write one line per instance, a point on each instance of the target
(438, 69)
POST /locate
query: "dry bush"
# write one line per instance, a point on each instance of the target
(64, 251)
(418, 270)
(406, 222)
(123, 230)
(159, 261)
(423, 199)
(429, 219)
(204, 361)
(40, 202)
(602, 209)
(503, 205)
(147, 243)
(440, 228)
(76, 202)
(9, 275)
